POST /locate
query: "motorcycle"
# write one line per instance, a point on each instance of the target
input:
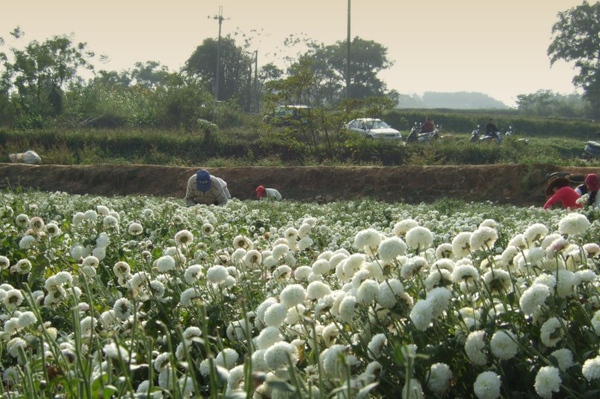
(416, 136)
(477, 137)
(591, 150)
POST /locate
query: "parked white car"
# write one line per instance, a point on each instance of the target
(373, 128)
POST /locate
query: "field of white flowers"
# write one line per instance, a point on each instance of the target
(142, 297)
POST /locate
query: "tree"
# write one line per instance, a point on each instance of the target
(328, 65)
(577, 38)
(235, 74)
(549, 103)
(42, 72)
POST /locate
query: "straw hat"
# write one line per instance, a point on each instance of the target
(557, 182)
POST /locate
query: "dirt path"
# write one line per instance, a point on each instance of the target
(506, 184)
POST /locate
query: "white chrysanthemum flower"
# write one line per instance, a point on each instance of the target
(466, 276)
(217, 274)
(439, 299)
(391, 248)
(347, 308)
(37, 224)
(122, 269)
(26, 319)
(4, 262)
(52, 230)
(123, 308)
(547, 380)
(115, 352)
(305, 243)
(187, 296)
(349, 266)
(22, 220)
(403, 226)
(11, 327)
(552, 331)
(483, 238)
(193, 273)
(422, 315)
(165, 263)
(279, 251)
(16, 346)
(87, 325)
(535, 233)
(321, 267)
(556, 246)
(591, 249)
(438, 278)
(413, 267)
(335, 360)
(78, 218)
(573, 224)
(227, 358)
(367, 241)
(99, 252)
(487, 385)
(504, 344)
(110, 221)
(591, 369)
(497, 281)
(367, 291)
(317, 290)
(533, 298)
(475, 348)
(135, 229)
(389, 292)
(438, 378)
(596, 322)
(13, 299)
(252, 258)
(242, 242)
(461, 244)
(518, 241)
(27, 242)
(292, 295)
(565, 283)
(564, 357)
(275, 315)
(444, 251)
(91, 215)
(91, 261)
(376, 345)
(280, 355)
(268, 337)
(419, 238)
(184, 238)
(302, 273)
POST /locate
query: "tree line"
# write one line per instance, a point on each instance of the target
(42, 84)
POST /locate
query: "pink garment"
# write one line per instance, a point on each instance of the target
(567, 196)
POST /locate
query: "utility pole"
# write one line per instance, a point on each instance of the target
(348, 52)
(217, 77)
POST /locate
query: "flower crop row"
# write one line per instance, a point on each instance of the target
(144, 297)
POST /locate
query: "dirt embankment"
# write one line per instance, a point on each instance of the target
(506, 184)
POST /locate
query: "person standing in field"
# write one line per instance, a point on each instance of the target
(204, 188)
(268, 194)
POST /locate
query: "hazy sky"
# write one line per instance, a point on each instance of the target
(497, 47)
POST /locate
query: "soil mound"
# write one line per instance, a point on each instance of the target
(521, 185)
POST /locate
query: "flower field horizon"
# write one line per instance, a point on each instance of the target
(143, 297)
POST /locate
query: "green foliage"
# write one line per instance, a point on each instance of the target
(547, 103)
(577, 39)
